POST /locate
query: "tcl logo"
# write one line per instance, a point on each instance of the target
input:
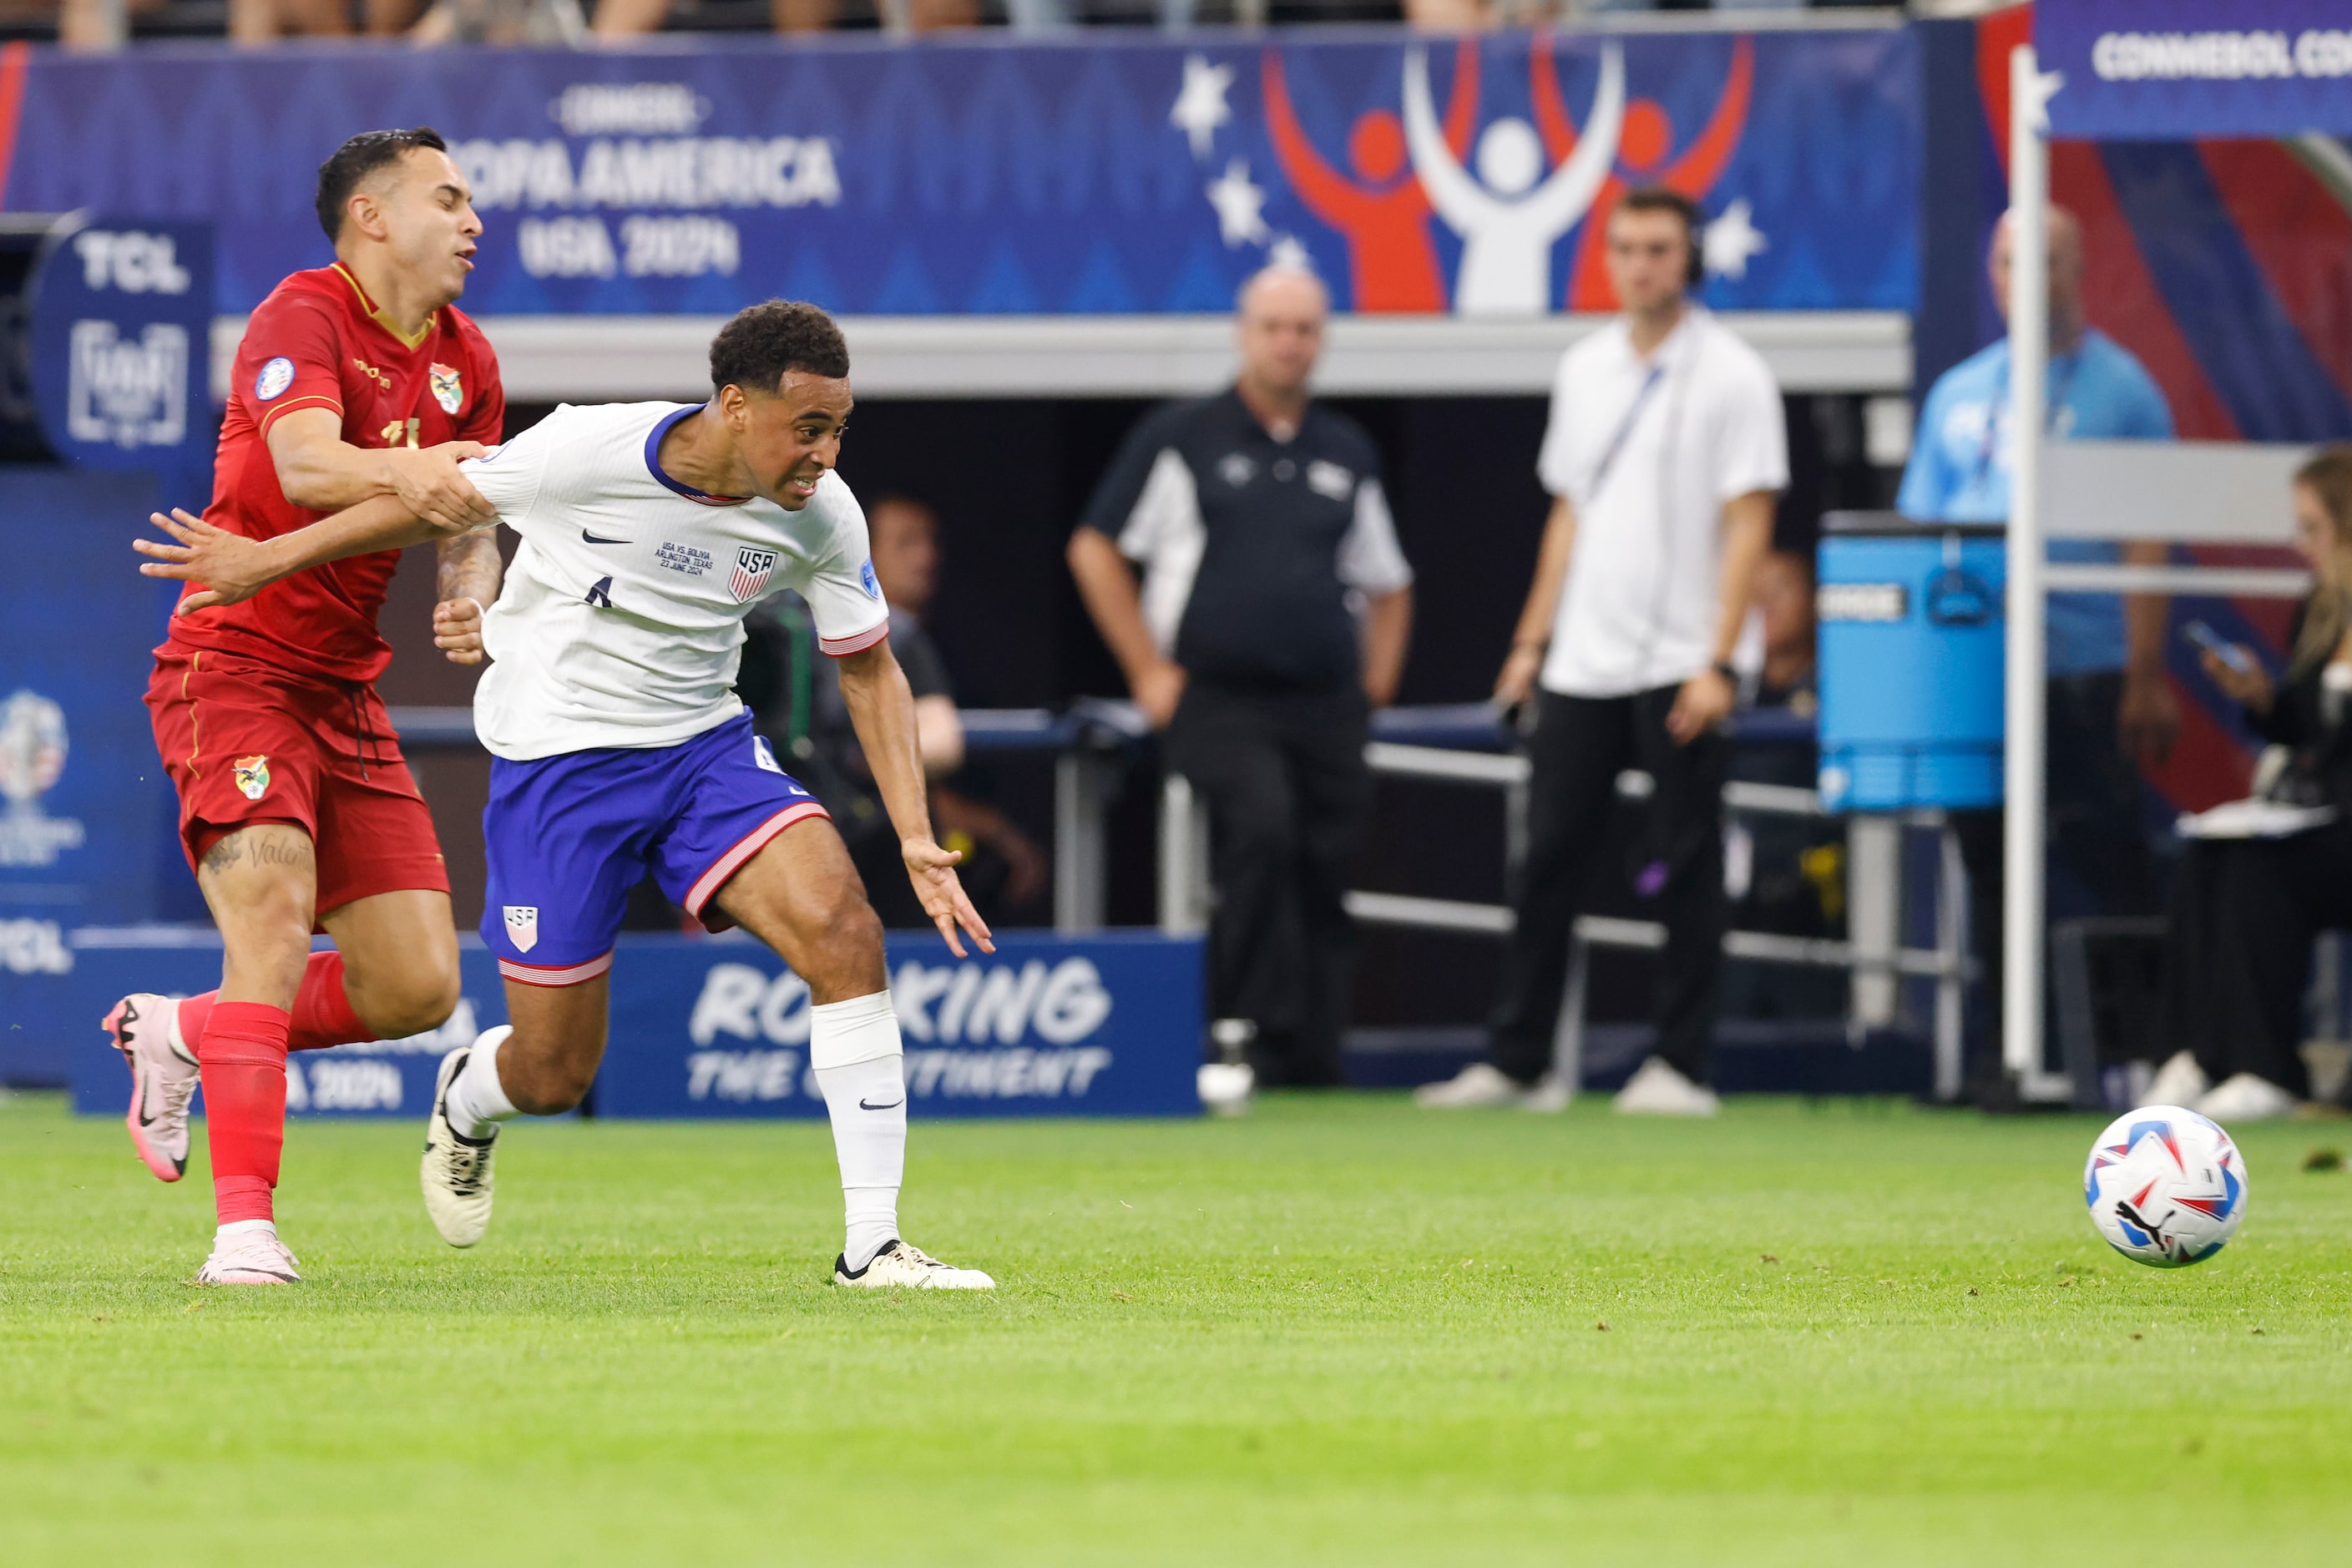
(130, 261)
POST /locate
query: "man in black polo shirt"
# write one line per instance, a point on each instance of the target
(1272, 616)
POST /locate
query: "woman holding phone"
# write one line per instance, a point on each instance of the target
(2251, 896)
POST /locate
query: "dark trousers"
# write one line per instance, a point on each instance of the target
(1288, 796)
(2095, 835)
(2244, 913)
(1580, 746)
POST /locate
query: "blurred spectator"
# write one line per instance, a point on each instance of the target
(1784, 601)
(2109, 707)
(1003, 868)
(2257, 885)
(1257, 516)
(491, 21)
(628, 18)
(1666, 452)
(794, 694)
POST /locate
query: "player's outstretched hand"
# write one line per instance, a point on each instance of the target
(932, 870)
(429, 485)
(457, 630)
(231, 567)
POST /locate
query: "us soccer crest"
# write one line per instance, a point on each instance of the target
(522, 926)
(449, 388)
(252, 775)
(752, 571)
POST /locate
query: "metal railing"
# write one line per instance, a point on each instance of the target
(1874, 954)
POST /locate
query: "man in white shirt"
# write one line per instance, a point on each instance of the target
(619, 747)
(1666, 454)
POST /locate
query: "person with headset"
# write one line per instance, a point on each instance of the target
(1665, 453)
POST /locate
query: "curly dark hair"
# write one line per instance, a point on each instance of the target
(358, 158)
(764, 343)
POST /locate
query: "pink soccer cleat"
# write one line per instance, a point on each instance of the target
(254, 1256)
(146, 1029)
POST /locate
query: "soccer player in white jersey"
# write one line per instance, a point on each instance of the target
(619, 746)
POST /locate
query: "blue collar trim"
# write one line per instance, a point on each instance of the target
(653, 460)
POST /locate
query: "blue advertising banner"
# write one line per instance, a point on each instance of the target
(1101, 1026)
(1103, 175)
(87, 834)
(2162, 70)
(122, 328)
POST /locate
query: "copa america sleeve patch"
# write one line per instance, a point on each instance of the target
(275, 378)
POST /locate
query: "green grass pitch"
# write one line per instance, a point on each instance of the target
(1338, 1331)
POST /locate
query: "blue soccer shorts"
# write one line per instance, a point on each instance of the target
(568, 836)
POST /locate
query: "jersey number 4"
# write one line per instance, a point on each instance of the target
(601, 595)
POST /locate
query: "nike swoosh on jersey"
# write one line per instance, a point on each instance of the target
(863, 1104)
(594, 540)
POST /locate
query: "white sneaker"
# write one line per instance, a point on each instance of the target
(1549, 1096)
(2242, 1097)
(901, 1264)
(1225, 1086)
(146, 1030)
(1658, 1090)
(455, 1173)
(250, 1257)
(2180, 1081)
(1478, 1086)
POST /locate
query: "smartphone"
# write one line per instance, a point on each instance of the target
(2221, 647)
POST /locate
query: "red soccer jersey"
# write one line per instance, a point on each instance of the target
(319, 342)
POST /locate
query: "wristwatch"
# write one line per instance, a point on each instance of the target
(1729, 674)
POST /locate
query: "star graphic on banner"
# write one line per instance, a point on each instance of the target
(1287, 251)
(2045, 88)
(1201, 106)
(1239, 203)
(1731, 240)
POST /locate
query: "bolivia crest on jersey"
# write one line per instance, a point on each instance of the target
(522, 926)
(751, 570)
(252, 775)
(449, 388)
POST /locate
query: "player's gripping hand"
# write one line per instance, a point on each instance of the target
(427, 481)
(231, 567)
(932, 870)
(457, 630)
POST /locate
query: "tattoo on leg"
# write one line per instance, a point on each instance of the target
(262, 850)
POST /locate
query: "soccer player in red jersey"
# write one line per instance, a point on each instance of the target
(296, 809)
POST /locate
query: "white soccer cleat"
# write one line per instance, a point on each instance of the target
(250, 1257)
(2244, 1097)
(1658, 1090)
(455, 1173)
(2180, 1081)
(1478, 1086)
(1225, 1086)
(903, 1265)
(146, 1030)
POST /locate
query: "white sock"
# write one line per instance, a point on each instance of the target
(476, 1101)
(237, 1228)
(853, 1047)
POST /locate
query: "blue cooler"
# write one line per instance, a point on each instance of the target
(1912, 656)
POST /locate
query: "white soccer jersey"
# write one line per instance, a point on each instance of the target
(621, 623)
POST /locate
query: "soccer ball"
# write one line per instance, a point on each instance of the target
(2166, 1187)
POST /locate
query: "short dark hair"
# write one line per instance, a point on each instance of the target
(1665, 199)
(358, 158)
(770, 340)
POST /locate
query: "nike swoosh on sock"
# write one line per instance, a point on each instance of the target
(864, 1104)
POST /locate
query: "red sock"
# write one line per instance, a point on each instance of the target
(323, 1012)
(243, 1059)
(195, 1013)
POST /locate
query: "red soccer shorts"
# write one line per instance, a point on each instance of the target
(246, 743)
